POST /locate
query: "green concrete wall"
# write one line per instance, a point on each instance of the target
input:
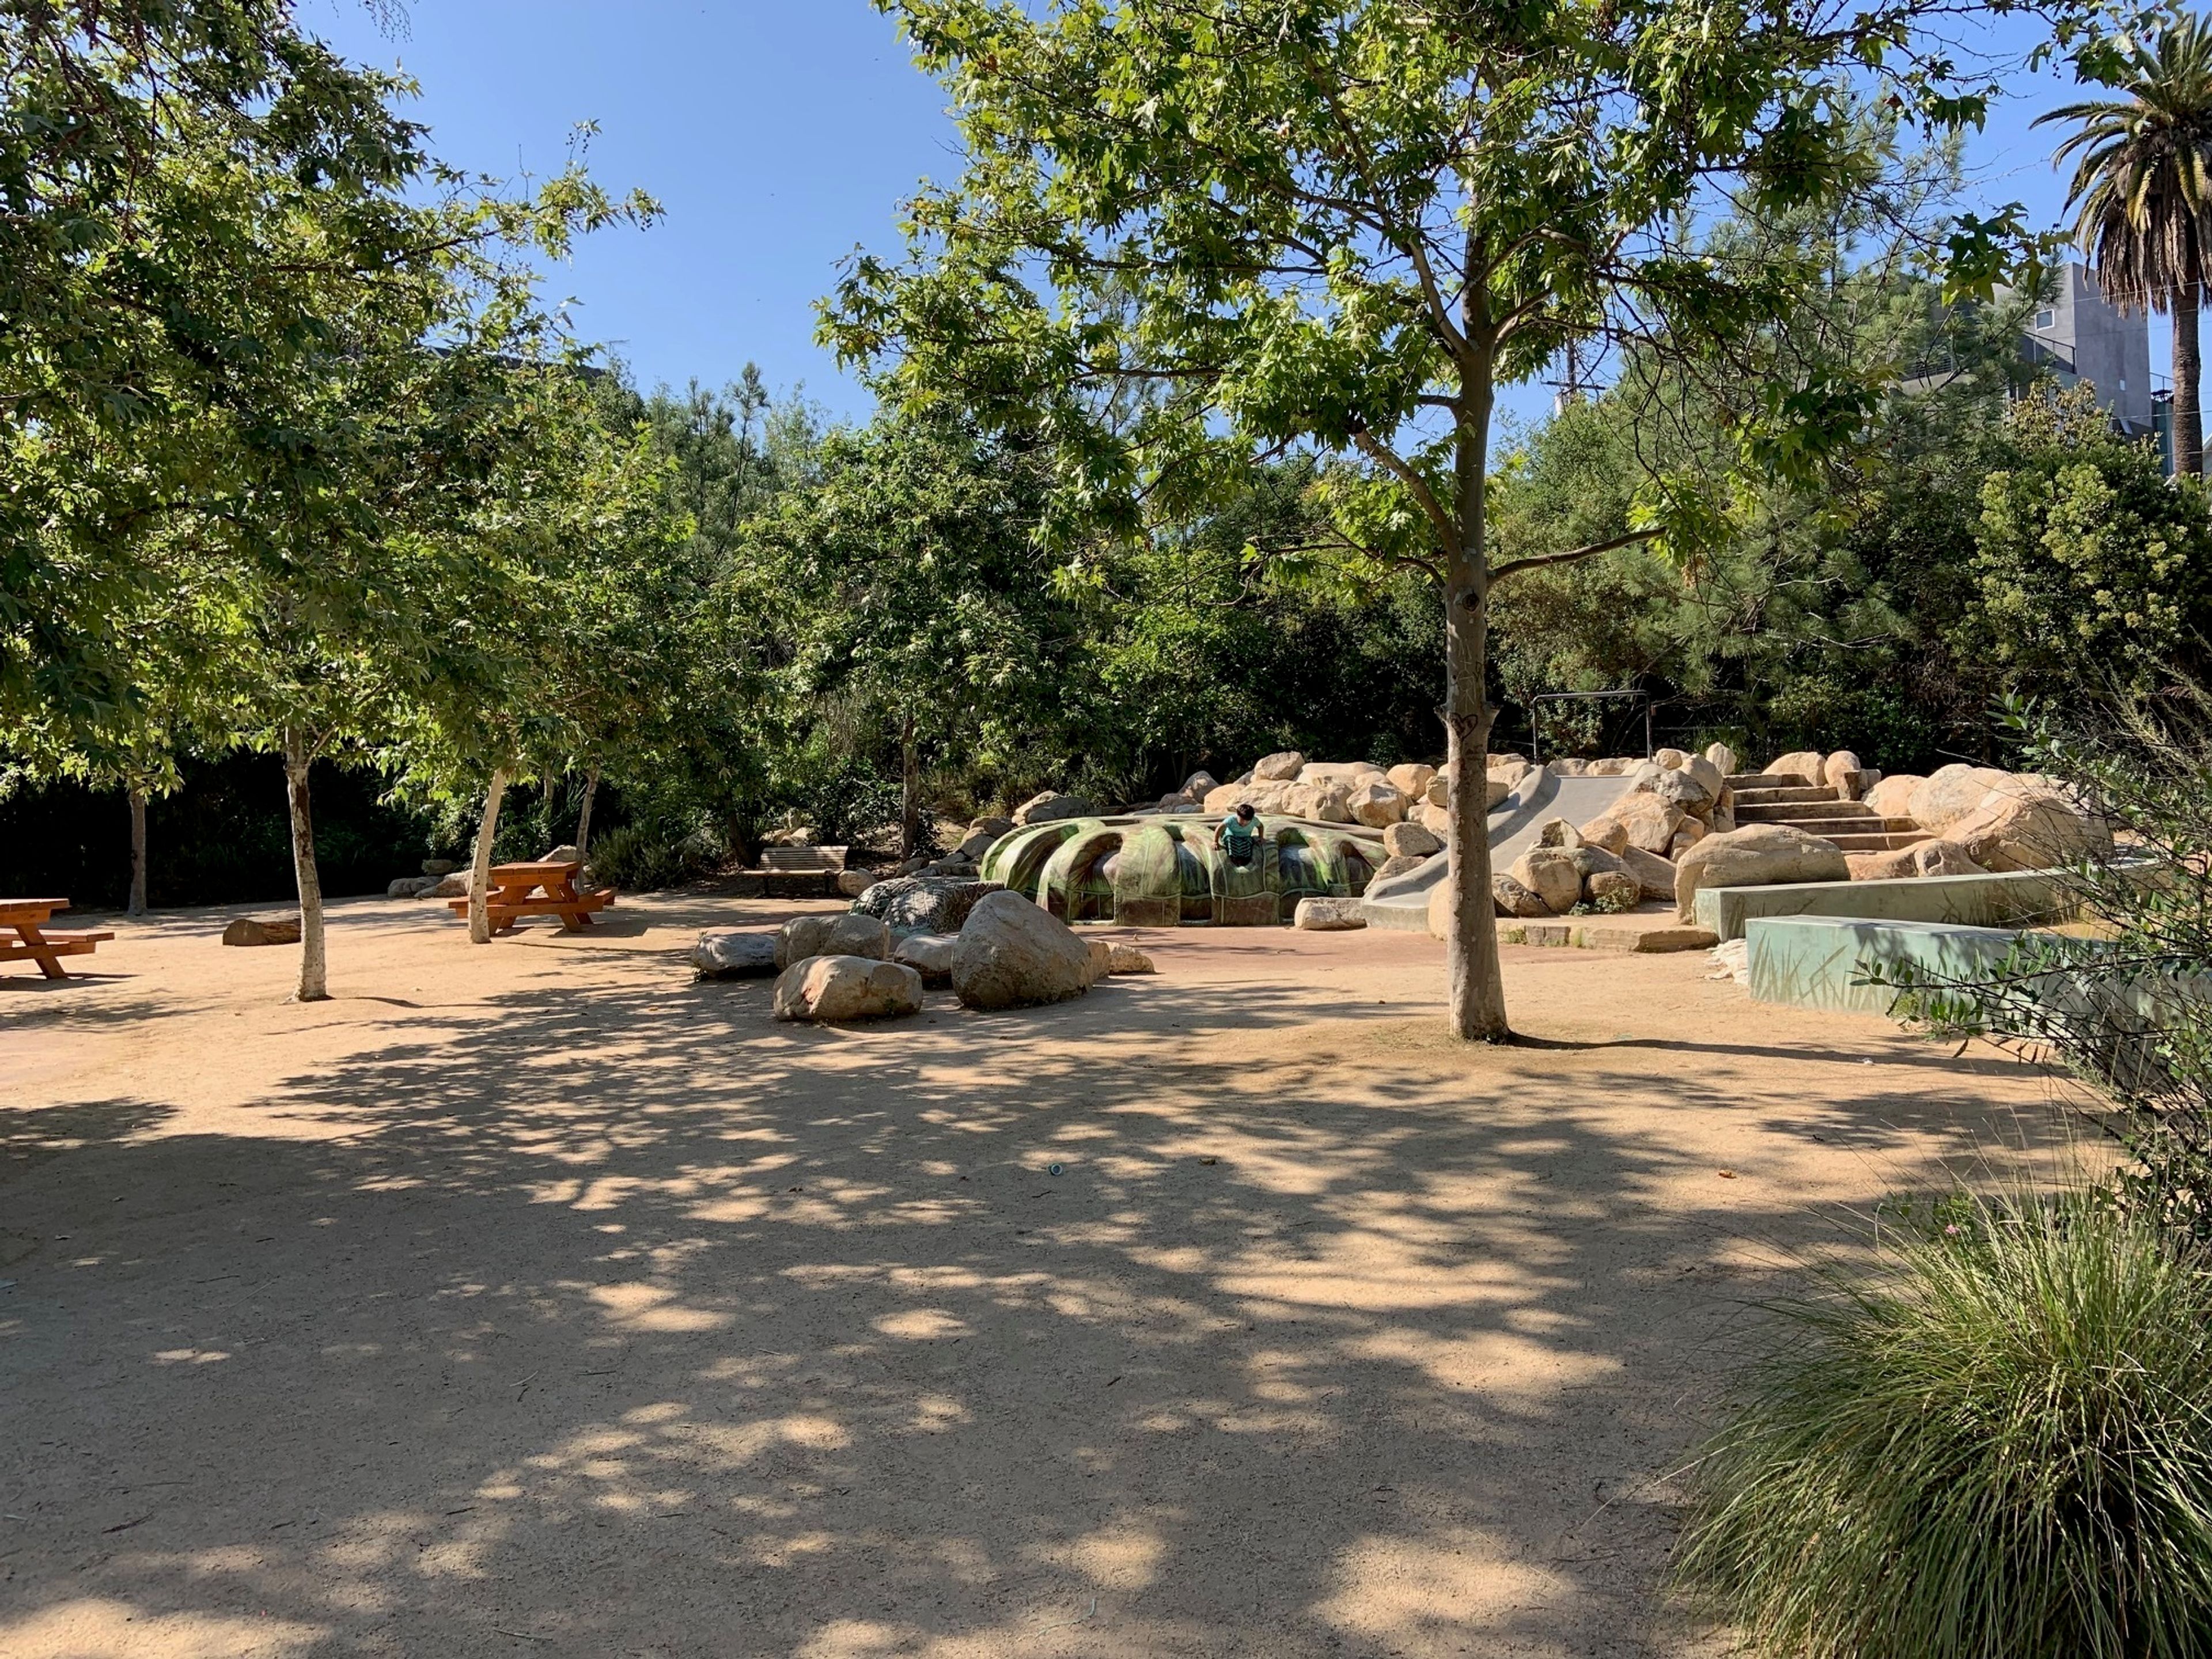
(1814, 962)
(1995, 900)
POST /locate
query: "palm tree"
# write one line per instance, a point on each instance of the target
(2143, 185)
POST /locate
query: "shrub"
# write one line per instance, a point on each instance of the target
(2000, 1447)
(646, 855)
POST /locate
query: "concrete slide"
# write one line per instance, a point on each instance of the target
(1402, 902)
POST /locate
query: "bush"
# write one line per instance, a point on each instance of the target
(1999, 1448)
(644, 856)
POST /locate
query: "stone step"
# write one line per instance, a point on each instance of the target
(1775, 796)
(1879, 842)
(1739, 780)
(1782, 812)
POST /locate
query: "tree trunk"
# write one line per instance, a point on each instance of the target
(584, 818)
(1478, 992)
(314, 977)
(480, 868)
(2188, 415)
(909, 794)
(137, 853)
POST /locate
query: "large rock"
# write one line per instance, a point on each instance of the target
(1014, 954)
(1683, 789)
(929, 955)
(440, 866)
(1513, 897)
(1410, 840)
(1328, 915)
(1613, 891)
(1669, 760)
(453, 885)
(1282, 767)
(1495, 790)
(1128, 959)
(1411, 779)
(975, 843)
(1328, 802)
(1808, 764)
(1722, 758)
(1757, 855)
(1893, 797)
(735, 955)
(1654, 874)
(1646, 821)
(851, 883)
(1439, 793)
(1950, 792)
(922, 904)
(1347, 772)
(1550, 872)
(846, 987)
(1436, 820)
(1051, 807)
(1841, 770)
(412, 887)
(1377, 805)
(1265, 799)
(1198, 785)
(262, 930)
(1396, 866)
(2027, 824)
(852, 934)
(1608, 832)
(1714, 779)
(1927, 858)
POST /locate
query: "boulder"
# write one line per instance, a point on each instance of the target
(1410, 840)
(1399, 866)
(1928, 858)
(1325, 803)
(840, 988)
(1328, 915)
(1413, 779)
(1344, 772)
(1439, 793)
(412, 887)
(564, 854)
(1198, 785)
(1616, 766)
(1282, 767)
(1557, 832)
(1950, 792)
(1513, 897)
(1614, 889)
(1595, 861)
(922, 903)
(1434, 819)
(929, 955)
(2027, 824)
(1496, 789)
(1550, 873)
(1842, 770)
(975, 843)
(1685, 790)
(1670, 760)
(1654, 874)
(1266, 798)
(440, 866)
(1051, 807)
(852, 934)
(1566, 766)
(1724, 759)
(262, 930)
(1128, 959)
(735, 955)
(851, 883)
(1757, 855)
(1893, 797)
(1015, 954)
(1804, 763)
(1608, 832)
(1510, 768)
(1722, 817)
(1647, 821)
(1376, 805)
(1687, 837)
(451, 886)
(1098, 960)
(1714, 779)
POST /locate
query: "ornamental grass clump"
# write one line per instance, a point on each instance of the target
(1998, 1447)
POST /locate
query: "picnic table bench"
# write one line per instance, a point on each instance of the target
(547, 887)
(24, 936)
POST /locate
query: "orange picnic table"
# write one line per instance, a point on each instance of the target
(545, 889)
(24, 936)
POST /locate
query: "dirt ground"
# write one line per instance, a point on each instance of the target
(532, 1299)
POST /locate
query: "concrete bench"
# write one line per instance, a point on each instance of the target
(2020, 897)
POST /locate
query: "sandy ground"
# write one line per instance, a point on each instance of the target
(534, 1299)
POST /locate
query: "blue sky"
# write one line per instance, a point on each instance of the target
(778, 134)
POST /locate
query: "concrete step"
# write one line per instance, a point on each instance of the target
(1742, 781)
(1879, 842)
(1761, 812)
(1771, 797)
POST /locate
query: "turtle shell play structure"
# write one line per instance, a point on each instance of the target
(1161, 872)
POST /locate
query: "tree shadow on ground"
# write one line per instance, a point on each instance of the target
(623, 1321)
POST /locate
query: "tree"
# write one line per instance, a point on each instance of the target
(1191, 229)
(2144, 188)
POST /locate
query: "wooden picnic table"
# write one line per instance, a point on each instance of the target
(24, 936)
(540, 888)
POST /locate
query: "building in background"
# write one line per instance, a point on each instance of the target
(2076, 336)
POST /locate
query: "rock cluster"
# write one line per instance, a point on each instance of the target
(1982, 819)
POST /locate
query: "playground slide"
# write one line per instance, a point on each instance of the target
(1402, 902)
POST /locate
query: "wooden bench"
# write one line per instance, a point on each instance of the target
(24, 936)
(538, 890)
